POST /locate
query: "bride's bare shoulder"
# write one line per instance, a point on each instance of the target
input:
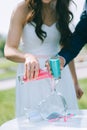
(21, 11)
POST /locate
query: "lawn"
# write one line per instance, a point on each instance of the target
(7, 69)
(83, 101)
(7, 105)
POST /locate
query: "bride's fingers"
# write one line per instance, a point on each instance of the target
(27, 70)
(36, 70)
(27, 67)
(32, 70)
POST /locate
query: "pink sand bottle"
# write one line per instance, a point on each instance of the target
(43, 73)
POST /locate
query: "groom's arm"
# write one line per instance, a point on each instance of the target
(77, 41)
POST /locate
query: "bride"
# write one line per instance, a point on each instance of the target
(43, 26)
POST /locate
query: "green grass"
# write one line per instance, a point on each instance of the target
(6, 63)
(83, 101)
(7, 105)
(7, 69)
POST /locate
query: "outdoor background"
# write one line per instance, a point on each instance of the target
(8, 68)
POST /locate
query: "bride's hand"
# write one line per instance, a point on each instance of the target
(31, 67)
(79, 91)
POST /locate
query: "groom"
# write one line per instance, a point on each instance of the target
(77, 40)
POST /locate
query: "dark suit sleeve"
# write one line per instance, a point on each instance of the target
(77, 41)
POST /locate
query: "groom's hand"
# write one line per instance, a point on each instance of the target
(62, 62)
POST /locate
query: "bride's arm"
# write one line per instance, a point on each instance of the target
(79, 91)
(11, 51)
(17, 22)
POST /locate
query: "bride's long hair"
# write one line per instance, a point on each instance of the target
(64, 16)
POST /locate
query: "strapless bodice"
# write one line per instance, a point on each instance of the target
(32, 44)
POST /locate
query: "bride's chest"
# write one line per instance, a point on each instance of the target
(30, 38)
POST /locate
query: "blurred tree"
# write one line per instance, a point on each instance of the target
(2, 43)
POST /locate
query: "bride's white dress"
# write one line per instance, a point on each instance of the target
(28, 95)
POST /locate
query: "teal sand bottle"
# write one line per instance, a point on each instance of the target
(55, 67)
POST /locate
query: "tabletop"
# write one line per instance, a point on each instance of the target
(76, 122)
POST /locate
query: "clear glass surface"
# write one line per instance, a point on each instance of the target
(52, 107)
